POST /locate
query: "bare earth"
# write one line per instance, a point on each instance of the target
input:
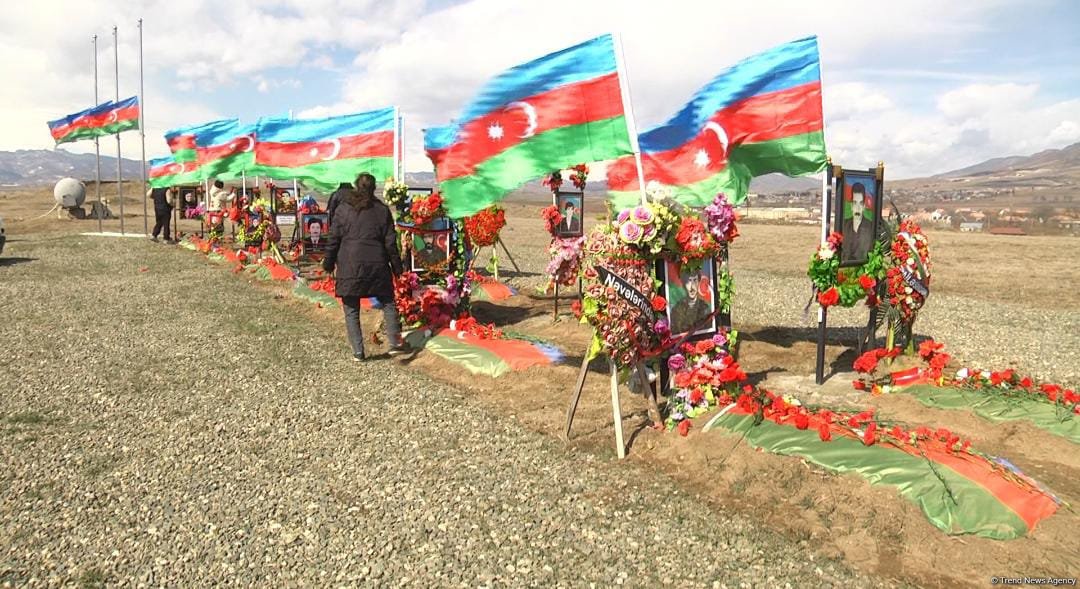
(180, 423)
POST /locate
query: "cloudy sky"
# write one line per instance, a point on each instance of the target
(926, 86)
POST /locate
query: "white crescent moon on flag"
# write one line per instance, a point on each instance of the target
(721, 134)
(334, 150)
(111, 119)
(176, 168)
(250, 144)
(530, 112)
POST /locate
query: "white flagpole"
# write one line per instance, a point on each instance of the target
(397, 143)
(402, 160)
(142, 132)
(628, 110)
(97, 148)
(119, 172)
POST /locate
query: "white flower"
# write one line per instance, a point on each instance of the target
(962, 373)
(825, 252)
(907, 290)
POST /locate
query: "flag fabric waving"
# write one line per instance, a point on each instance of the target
(556, 111)
(106, 118)
(225, 149)
(166, 171)
(759, 117)
(182, 141)
(325, 152)
(437, 141)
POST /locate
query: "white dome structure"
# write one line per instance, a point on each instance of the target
(69, 193)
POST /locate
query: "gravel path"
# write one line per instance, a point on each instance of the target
(177, 426)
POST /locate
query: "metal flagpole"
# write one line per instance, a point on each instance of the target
(119, 172)
(397, 144)
(142, 132)
(97, 149)
(402, 160)
(628, 110)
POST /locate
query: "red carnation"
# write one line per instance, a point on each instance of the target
(867, 362)
(823, 432)
(696, 397)
(683, 427)
(928, 348)
(859, 385)
(867, 282)
(829, 297)
(802, 421)
(870, 434)
(659, 303)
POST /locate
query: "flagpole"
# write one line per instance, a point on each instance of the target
(397, 144)
(628, 110)
(402, 160)
(120, 190)
(142, 132)
(97, 149)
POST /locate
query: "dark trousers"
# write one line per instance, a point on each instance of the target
(352, 322)
(162, 220)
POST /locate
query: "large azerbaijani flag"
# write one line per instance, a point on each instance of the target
(325, 152)
(225, 149)
(166, 171)
(551, 113)
(759, 117)
(104, 119)
(181, 141)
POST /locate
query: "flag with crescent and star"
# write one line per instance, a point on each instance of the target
(759, 117)
(550, 113)
(225, 149)
(325, 152)
(166, 171)
(106, 118)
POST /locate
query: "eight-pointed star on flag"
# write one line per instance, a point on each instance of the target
(701, 158)
(495, 131)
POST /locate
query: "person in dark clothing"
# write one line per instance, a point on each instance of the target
(335, 199)
(362, 247)
(164, 199)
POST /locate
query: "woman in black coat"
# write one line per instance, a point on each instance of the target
(363, 248)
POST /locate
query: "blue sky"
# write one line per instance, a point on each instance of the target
(925, 86)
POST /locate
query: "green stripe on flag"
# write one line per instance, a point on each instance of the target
(475, 359)
(797, 155)
(327, 176)
(1056, 419)
(185, 155)
(552, 150)
(953, 503)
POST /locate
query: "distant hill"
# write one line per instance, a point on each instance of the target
(1050, 169)
(28, 167)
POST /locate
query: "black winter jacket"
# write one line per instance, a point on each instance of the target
(363, 247)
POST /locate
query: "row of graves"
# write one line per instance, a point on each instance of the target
(655, 286)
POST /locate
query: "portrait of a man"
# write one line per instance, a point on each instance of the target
(858, 220)
(430, 250)
(569, 205)
(314, 228)
(691, 298)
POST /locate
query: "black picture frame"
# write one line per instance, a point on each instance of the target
(709, 270)
(848, 182)
(577, 200)
(425, 262)
(314, 243)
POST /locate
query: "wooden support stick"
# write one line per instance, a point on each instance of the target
(500, 242)
(555, 313)
(616, 411)
(576, 396)
(650, 394)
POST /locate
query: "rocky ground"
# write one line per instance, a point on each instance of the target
(165, 423)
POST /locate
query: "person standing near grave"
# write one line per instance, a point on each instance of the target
(219, 197)
(362, 247)
(335, 199)
(164, 200)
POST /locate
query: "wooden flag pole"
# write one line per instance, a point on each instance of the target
(628, 111)
(616, 410)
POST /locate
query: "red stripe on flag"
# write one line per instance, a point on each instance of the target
(292, 155)
(181, 142)
(765, 117)
(233, 147)
(171, 169)
(518, 354)
(573, 104)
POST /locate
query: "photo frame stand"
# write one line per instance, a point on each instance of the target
(616, 406)
(832, 193)
(499, 243)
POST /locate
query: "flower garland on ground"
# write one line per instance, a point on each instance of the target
(845, 286)
(1007, 382)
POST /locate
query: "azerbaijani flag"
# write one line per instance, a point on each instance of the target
(182, 142)
(325, 152)
(106, 118)
(225, 149)
(437, 141)
(166, 171)
(551, 113)
(759, 117)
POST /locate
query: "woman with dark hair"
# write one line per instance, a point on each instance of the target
(362, 246)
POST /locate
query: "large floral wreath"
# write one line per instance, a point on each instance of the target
(908, 277)
(845, 286)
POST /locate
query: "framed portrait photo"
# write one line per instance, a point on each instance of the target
(691, 298)
(313, 228)
(429, 251)
(571, 207)
(858, 214)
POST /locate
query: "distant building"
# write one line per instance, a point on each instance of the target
(971, 226)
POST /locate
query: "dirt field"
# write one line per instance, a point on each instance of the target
(995, 301)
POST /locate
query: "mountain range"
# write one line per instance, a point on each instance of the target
(1052, 168)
